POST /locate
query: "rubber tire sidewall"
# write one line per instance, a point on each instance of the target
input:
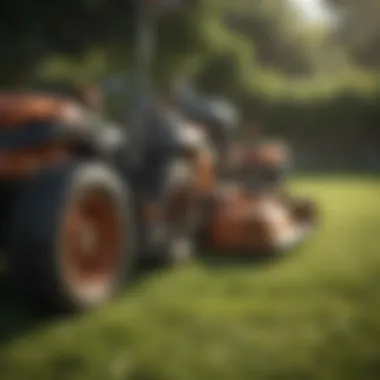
(35, 233)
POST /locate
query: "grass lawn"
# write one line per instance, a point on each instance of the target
(314, 315)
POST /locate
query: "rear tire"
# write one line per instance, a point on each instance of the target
(71, 244)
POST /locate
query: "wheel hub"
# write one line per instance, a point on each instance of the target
(89, 240)
(93, 242)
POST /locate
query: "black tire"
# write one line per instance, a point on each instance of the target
(45, 266)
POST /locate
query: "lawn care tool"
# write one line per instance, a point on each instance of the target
(83, 200)
(253, 212)
(245, 207)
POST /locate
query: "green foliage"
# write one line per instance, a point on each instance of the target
(81, 70)
(230, 60)
(358, 30)
(274, 29)
(39, 29)
(71, 28)
(347, 101)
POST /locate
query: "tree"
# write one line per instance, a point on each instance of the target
(358, 30)
(274, 30)
(31, 31)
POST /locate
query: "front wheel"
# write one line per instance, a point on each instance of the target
(71, 246)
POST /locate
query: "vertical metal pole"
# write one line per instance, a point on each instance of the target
(144, 50)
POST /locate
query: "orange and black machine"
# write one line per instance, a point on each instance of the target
(254, 212)
(80, 197)
(244, 206)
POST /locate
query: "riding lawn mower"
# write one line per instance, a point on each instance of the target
(84, 201)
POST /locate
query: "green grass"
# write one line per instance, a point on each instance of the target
(314, 315)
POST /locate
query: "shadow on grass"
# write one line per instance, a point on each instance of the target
(215, 260)
(15, 319)
(18, 319)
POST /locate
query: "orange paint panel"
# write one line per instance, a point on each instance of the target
(17, 109)
(16, 164)
(205, 172)
(267, 154)
(236, 226)
(233, 225)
